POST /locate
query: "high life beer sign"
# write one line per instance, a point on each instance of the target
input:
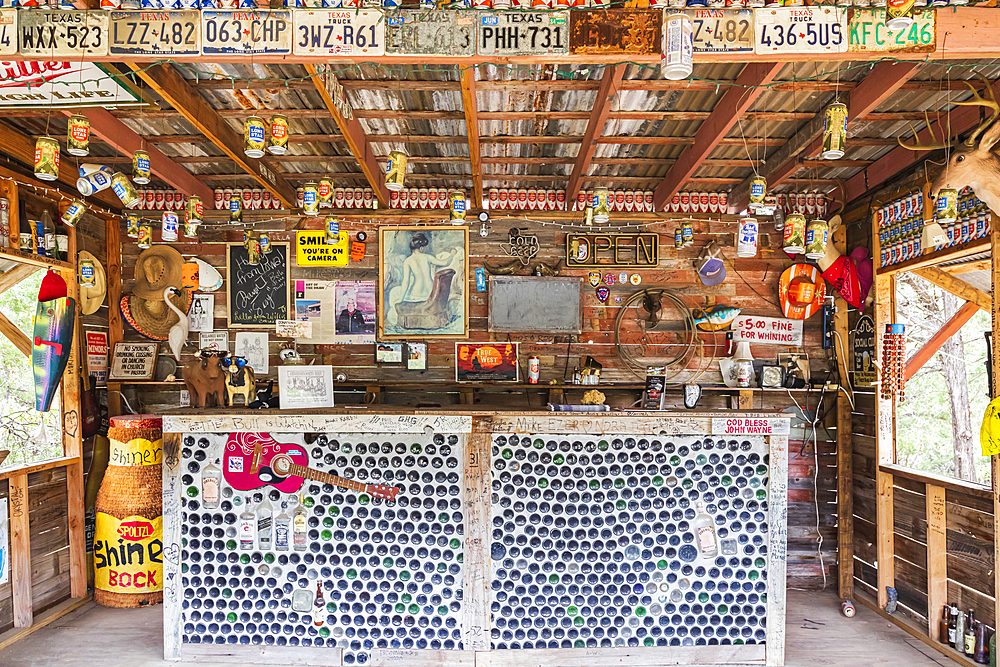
(28, 84)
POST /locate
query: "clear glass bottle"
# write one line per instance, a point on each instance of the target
(264, 521)
(211, 478)
(61, 242)
(49, 232)
(247, 527)
(704, 528)
(282, 529)
(300, 527)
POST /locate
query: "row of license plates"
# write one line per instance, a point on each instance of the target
(372, 32)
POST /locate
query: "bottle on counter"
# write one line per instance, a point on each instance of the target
(969, 644)
(282, 529)
(943, 624)
(319, 604)
(264, 521)
(960, 632)
(62, 242)
(979, 648)
(247, 527)
(26, 239)
(993, 649)
(211, 477)
(952, 623)
(48, 233)
(300, 527)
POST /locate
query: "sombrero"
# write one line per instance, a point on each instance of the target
(801, 290)
(92, 296)
(151, 317)
(156, 269)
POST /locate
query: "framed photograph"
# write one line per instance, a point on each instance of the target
(423, 289)
(305, 386)
(200, 316)
(477, 362)
(388, 353)
(133, 361)
(416, 356)
(253, 348)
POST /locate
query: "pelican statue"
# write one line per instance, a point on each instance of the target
(179, 332)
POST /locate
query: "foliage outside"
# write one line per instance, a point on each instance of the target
(19, 422)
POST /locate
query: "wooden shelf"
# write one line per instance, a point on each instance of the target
(937, 257)
(215, 215)
(34, 260)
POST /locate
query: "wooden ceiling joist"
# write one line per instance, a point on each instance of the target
(930, 348)
(727, 111)
(957, 287)
(353, 133)
(181, 96)
(606, 94)
(882, 82)
(15, 275)
(470, 106)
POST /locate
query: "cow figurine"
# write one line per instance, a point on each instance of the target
(240, 381)
(205, 379)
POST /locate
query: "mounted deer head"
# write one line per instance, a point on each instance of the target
(970, 164)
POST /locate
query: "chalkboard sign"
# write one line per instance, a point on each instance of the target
(530, 304)
(257, 294)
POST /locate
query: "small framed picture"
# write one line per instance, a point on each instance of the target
(305, 386)
(133, 361)
(416, 356)
(476, 362)
(388, 353)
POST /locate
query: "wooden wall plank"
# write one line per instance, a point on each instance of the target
(937, 556)
(477, 571)
(995, 391)
(20, 547)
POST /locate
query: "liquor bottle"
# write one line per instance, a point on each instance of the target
(247, 527)
(944, 624)
(264, 524)
(969, 645)
(318, 606)
(62, 242)
(960, 632)
(952, 624)
(49, 231)
(979, 650)
(211, 475)
(282, 526)
(299, 526)
(704, 528)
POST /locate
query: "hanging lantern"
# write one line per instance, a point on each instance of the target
(332, 224)
(835, 130)
(310, 199)
(600, 204)
(46, 158)
(253, 137)
(141, 171)
(899, 14)
(396, 171)
(795, 234)
(746, 240)
(236, 209)
(78, 136)
(278, 145)
(676, 47)
(816, 239)
(946, 209)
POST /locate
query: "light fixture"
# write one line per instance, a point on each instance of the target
(932, 236)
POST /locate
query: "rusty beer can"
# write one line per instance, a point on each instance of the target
(253, 137)
(278, 144)
(46, 158)
(141, 172)
(946, 209)
(78, 136)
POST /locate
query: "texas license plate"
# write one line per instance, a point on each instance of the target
(442, 32)
(232, 31)
(523, 33)
(50, 35)
(867, 32)
(8, 32)
(165, 33)
(344, 32)
(801, 30)
(722, 30)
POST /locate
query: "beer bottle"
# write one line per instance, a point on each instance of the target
(943, 625)
(25, 236)
(969, 644)
(48, 233)
(319, 605)
(952, 624)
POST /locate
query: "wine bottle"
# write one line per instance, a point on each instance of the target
(969, 643)
(247, 527)
(264, 521)
(299, 527)
(704, 528)
(211, 476)
(282, 526)
(952, 623)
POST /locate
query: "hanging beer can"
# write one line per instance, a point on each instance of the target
(46, 158)
(168, 232)
(87, 274)
(195, 209)
(132, 226)
(236, 209)
(899, 14)
(395, 171)
(145, 238)
(278, 144)
(758, 190)
(265, 243)
(332, 224)
(78, 136)
(746, 240)
(457, 206)
(816, 239)
(676, 47)
(795, 234)
(600, 204)
(687, 234)
(125, 190)
(73, 213)
(834, 131)
(310, 199)
(946, 209)
(253, 137)
(141, 170)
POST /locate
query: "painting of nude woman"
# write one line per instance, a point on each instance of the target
(424, 282)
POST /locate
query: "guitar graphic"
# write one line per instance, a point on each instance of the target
(253, 460)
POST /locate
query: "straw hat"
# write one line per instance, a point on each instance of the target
(92, 296)
(151, 317)
(156, 269)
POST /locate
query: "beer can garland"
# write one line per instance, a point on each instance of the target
(78, 136)
(128, 539)
(253, 137)
(746, 240)
(132, 226)
(141, 170)
(816, 239)
(73, 213)
(332, 224)
(46, 158)
(834, 131)
(93, 178)
(310, 199)
(677, 47)
(795, 234)
(125, 190)
(395, 171)
(946, 209)
(278, 144)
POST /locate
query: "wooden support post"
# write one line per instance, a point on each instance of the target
(845, 445)
(112, 238)
(20, 550)
(477, 570)
(940, 337)
(72, 421)
(471, 106)
(995, 391)
(171, 546)
(466, 395)
(15, 275)
(595, 127)
(937, 557)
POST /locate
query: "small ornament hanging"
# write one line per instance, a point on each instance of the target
(893, 362)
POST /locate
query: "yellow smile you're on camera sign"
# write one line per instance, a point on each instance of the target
(311, 249)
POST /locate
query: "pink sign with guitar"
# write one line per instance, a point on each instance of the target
(253, 460)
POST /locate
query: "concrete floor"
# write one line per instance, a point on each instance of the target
(818, 635)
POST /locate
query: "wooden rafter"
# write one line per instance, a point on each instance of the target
(354, 134)
(606, 93)
(15, 335)
(727, 111)
(15, 275)
(930, 348)
(882, 82)
(470, 106)
(959, 288)
(125, 140)
(196, 109)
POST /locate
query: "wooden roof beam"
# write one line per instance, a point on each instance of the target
(354, 134)
(610, 83)
(736, 100)
(882, 82)
(471, 107)
(180, 95)
(930, 348)
(959, 288)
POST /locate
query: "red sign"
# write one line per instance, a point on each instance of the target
(750, 426)
(97, 356)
